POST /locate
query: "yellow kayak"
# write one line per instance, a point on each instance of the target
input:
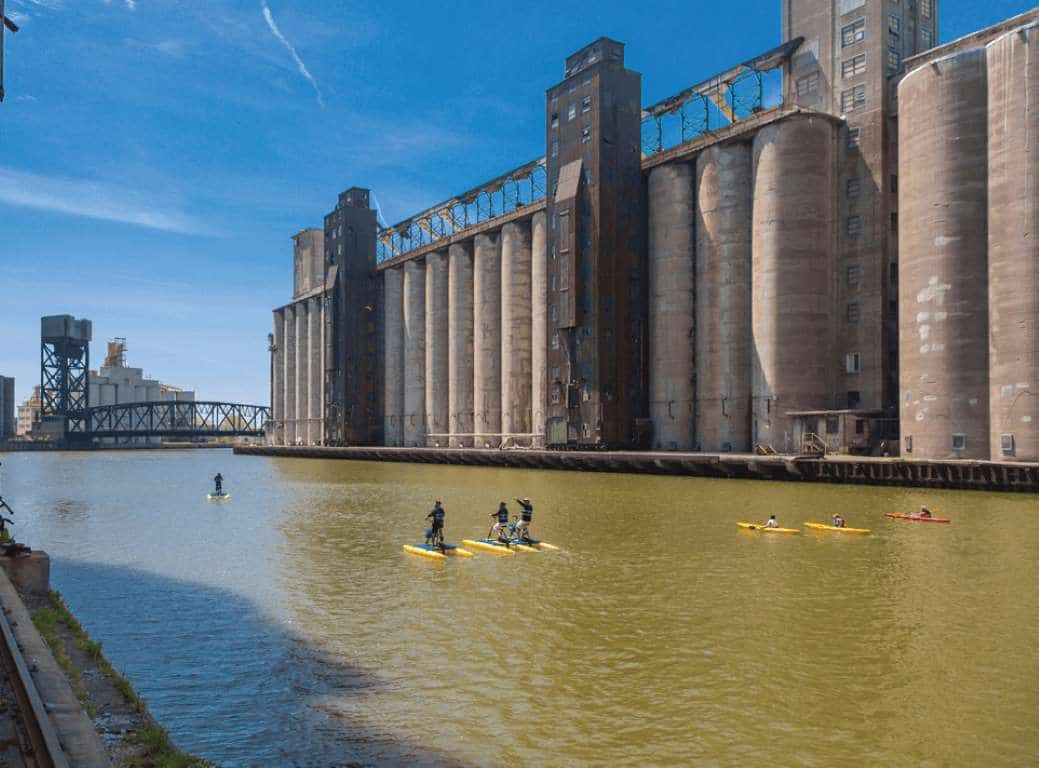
(765, 528)
(221, 497)
(492, 546)
(835, 529)
(436, 553)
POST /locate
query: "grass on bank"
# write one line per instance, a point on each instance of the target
(157, 750)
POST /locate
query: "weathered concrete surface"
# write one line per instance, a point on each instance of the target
(672, 243)
(723, 298)
(943, 272)
(487, 339)
(29, 572)
(516, 330)
(315, 371)
(414, 353)
(539, 327)
(393, 356)
(1013, 243)
(302, 372)
(861, 470)
(289, 376)
(792, 275)
(277, 379)
(437, 345)
(460, 344)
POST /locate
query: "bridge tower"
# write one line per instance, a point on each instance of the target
(64, 376)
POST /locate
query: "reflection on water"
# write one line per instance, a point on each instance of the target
(286, 627)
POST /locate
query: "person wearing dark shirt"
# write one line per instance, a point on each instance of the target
(500, 530)
(526, 517)
(436, 533)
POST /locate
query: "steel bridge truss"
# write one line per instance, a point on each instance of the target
(504, 194)
(717, 102)
(64, 391)
(177, 419)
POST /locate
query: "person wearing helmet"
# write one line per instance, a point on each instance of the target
(500, 530)
(526, 516)
(436, 532)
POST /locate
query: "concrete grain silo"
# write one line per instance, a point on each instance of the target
(487, 340)
(460, 345)
(723, 296)
(1013, 243)
(414, 312)
(671, 244)
(437, 342)
(943, 272)
(792, 275)
(393, 356)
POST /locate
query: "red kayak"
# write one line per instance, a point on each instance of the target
(918, 518)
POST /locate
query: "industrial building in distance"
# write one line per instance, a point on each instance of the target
(830, 247)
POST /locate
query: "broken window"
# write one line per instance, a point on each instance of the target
(894, 62)
(571, 112)
(854, 275)
(853, 98)
(853, 187)
(854, 313)
(854, 226)
(959, 441)
(586, 104)
(853, 137)
(586, 134)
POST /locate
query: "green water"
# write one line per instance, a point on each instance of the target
(661, 635)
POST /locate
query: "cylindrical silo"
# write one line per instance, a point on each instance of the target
(515, 330)
(437, 341)
(315, 374)
(792, 275)
(289, 317)
(414, 353)
(278, 379)
(1013, 244)
(539, 327)
(943, 270)
(393, 356)
(460, 344)
(487, 339)
(302, 373)
(671, 256)
(723, 311)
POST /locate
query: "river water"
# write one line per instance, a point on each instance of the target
(286, 627)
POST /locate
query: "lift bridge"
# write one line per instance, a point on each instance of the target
(66, 413)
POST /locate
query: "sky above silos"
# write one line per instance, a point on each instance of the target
(157, 155)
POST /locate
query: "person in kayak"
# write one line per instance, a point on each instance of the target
(500, 530)
(218, 481)
(526, 517)
(436, 533)
(838, 521)
(925, 512)
(772, 522)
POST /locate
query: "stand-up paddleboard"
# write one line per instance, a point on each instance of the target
(834, 528)
(495, 546)
(917, 518)
(437, 553)
(218, 497)
(765, 528)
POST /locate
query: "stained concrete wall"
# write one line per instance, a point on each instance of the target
(671, 258)
(723, 298)
(792, 275)
(539, 327)
(278, 380)
(289, 332)
(1013, 243)
(437, 343)
(487, 339)
(516, 330)
(302, 373)
(460, 316)
(393, 356)
(415, 353)
(315, 372)
(943, 272)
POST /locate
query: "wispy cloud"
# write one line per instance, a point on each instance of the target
(92, 200)
(269, 17)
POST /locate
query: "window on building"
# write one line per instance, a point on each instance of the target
(853, 187)
(853, 98)
(833, 425)
(586, 134)
(854, 314)
(586, 104)
(926, 8)
(853, 137)
(894, 62)
(893, 181)
(909, 443)
(926, 38)
(852, 363)
(808, 84)
(854, 398)
(854, 225)
(853, 33)
(1006, 443)
(555, 336)
(854, 275)
(587, 82)
(894, 221)
(856, 65)
(860, 426)
(892, 272)
(555, 119)
(571, 112)
(552, 313)
(894, 24)
(959, 441)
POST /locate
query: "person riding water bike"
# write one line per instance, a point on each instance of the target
(218, 482)
(838, 521)
(436, 533)
(500, 530)
(523, 524)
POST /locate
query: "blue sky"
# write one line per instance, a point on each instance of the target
(157, 155)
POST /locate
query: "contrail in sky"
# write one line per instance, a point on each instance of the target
(299, 62)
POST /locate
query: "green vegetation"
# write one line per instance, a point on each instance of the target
(156, 749)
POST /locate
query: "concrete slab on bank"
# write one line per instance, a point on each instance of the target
(861, 470)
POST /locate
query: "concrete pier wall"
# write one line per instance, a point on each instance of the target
(437, 343)
(460, 315)
(414, 314)
(487, 339)
(516, 332)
